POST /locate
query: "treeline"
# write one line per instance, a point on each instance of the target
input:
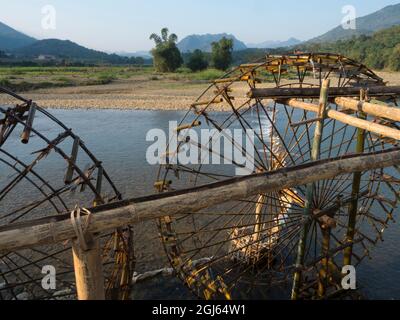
(379, 51)
(11, 60)
(168, 58)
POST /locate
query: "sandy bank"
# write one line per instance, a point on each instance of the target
(137, 94)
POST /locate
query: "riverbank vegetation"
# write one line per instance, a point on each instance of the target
(380, 51)
(166, 55)
(30, 78)
(168, 64)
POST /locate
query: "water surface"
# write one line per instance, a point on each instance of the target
(118, 139)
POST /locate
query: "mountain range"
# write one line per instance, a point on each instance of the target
(204, 41)
(21, 45)
(275, 44)
(367, 25)
(63, 49)
(11, 39)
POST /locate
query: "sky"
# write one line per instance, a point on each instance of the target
(125, 25)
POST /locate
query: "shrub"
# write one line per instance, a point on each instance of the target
(197, 61)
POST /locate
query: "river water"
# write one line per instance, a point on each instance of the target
(118, 139)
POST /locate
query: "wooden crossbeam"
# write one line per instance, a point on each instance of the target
(314, 93)
(113, 216)
(373, 109)
(376, 128)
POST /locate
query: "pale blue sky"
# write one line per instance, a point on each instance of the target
(125, 25)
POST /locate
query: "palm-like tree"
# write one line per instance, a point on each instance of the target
(164, 38)
(166, 55)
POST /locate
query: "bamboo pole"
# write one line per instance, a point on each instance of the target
(314, 93)
(373, 109)
(349, 120)
(29, 123)
(315, 155)
(353, 208)
(71, 164)
(99, 184)
(258, 226)
(324, 272)
(88, 268)
(129, 212)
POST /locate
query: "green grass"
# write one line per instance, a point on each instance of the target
(30, 78)
(209, 74)
(184, 74)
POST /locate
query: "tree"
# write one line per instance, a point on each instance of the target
(166, 55)
(139, 61)
(394, 61)
(197, 61)
(222, 53)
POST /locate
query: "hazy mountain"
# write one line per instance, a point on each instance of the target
(137, 54)
(367, 25)
(203, 42)
(11, 39)
(271, 44)
(64, 49)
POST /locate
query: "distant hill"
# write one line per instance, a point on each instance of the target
(203, 42)
(64, 49)
(137, 54)
(275, 44)
(11, 39)
(367, 25)
(378, 51)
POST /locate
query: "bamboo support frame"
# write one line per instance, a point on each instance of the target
(89, 276)
(71, 165)
(324, 271)
(353, 208)
(89, 271)
(313, 93)
(373, 109)
(258, 226)
(29, 122)
(99, 184)
(315, 155)
(378, 129)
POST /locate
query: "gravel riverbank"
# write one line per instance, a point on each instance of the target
(138, 94)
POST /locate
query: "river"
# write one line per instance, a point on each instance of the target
(118, 139)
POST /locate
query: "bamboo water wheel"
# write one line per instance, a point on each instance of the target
(300, 238)
(46, 169)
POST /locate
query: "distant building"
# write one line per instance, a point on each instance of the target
(46, 57)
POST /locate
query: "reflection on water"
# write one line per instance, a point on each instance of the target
(118, 138)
